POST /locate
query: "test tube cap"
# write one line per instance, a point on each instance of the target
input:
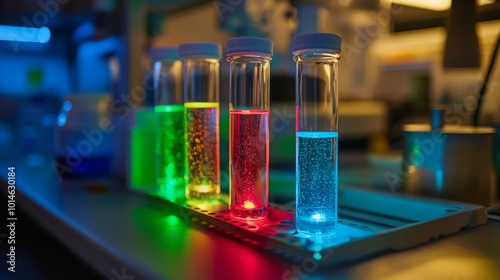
(249, 45)
(328, 42)
(211, 50)
(157, 53)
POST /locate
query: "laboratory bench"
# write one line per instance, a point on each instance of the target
(118, 234)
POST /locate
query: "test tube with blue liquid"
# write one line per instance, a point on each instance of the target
(316, 56)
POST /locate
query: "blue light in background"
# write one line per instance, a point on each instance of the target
(94, 64)
(44, 34)
(84, 31)
(24, 34)
(63, 114)
(439, 179)
(15, 70)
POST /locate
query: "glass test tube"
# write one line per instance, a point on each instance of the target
(201, 97)
(316, 56)
(249, 59)
(169, 110)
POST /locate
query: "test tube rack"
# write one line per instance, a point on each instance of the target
(369, 223)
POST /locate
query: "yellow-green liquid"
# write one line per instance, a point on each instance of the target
(202, 150)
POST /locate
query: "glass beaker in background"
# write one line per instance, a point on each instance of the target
(36, 121)
(84, 139)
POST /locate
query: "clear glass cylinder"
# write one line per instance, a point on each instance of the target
(249, 133)
(316, 138)
(201, 97)
(169, 111)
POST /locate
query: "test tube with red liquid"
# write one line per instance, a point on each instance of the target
(249, 59)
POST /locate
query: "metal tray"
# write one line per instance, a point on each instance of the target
(369, 223)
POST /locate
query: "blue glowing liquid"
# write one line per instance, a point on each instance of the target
(316, 183)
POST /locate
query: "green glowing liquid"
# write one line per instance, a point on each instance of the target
(142, 160)
(170, 151)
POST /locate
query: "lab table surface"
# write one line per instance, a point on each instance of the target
(117, 232)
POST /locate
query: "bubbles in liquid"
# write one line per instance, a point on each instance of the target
(316, 182)
(249, 163)
(170, 150)
(202, 142)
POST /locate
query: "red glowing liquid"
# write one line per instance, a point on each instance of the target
(249, 163)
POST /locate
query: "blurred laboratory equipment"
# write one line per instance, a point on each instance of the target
(84, 136)
(36, 120)
(100, 56)
(462, 36)
(450, 161)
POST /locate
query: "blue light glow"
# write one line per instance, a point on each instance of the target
(317, 180)
(24, 34)
(318, 217)
(63, 114)
(439, 179)
(84, 31)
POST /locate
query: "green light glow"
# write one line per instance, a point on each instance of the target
(172, 220)
(169, 108)
(142, 160)
(415, 155)
(170, 151)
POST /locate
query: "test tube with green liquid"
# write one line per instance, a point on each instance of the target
(169, 110)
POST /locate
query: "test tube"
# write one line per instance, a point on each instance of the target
(201, 97)
(249, 59)
(169, 110)
(316, 56)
